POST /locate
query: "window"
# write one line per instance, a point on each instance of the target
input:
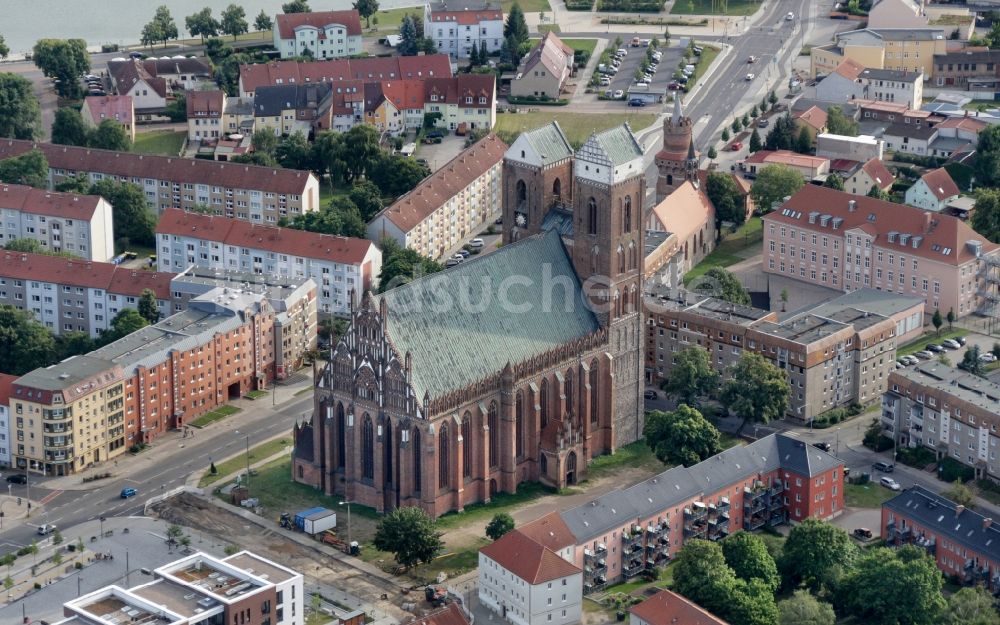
(592, 216)
(467, 445)
(367, 448)
(494, 425)
(627, 218)
(443, 459)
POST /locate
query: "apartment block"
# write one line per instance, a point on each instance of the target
(835, 354)
(846, 242)
(81, 225)
(902, 49)
(971, 71)
(293, 300)
(338, 265)
(949, 411)
(6, 384)
(448, 207)
(851, 80)
(205, 112)
(199, 590)
(963, 542)
(248, 192)
(629, 530)
(88, 409)
(456, 29)
(324, 34)
(69, 295)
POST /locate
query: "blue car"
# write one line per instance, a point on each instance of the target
(129, 492)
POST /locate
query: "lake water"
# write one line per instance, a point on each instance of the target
(121, 21)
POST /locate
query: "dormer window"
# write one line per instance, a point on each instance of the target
(468, 100)
(482, 99)
(434, 97)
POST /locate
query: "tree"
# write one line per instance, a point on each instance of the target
(834, 181)
(68, 128)
(951, 318)
(772, 98)
(366, 8)
(773, 184)
(692, 376)
(877, 193)
(64, 60)
(816, 555)
(73, 344)
(784, 299)
(263, 22)
(937, 321)
(202, 24)
(499, 525)
(516, 25)
(177, 108)
(234, 21)
(702, 575)
(735, 125)
(712, 154)
(755, 111)
(133, 221)
(756, 390)
(296, 6)
(227, 71)
(747, 555)
(755, 143)
(400, 265)
(725, 134)
(367, 197)
(838, 123)
(782, 135)
(25, 344)
(148, 306)
(216, 49)
(395, 174)
(32, 246)
(986, 214)
(409, 534)
(963, 494)
(970, 361)
(987, 166)
(729, 205)
(804, 609)
(20, 115)
(893, 587)
(752, 603)
(294, 152)
(110, 135)
(971, 606)
(127, 321)
(4, 49)
(29, 168)
(264, 141)
(408, 36)
(719, 283)
(340, 217)
(161, 28)
(682, 436)
(77, 184)
(804, 141)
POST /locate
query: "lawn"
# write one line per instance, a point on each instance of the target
(705, 61)
(586, 45)
(256, 395)
(215, 415)
(528, 6)
(870, 495)
(735, 247)
(390, 19)
(577, 126)
(164, 142)
(637, 454)
(500, 502)
(930, 337)
(239, 462)
(715, 7)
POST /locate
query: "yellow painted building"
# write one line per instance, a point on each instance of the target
(910, 50)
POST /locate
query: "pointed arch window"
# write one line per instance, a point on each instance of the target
(367, 448)
(543, 402)
(417, 459)
(467, 445)
(627, 217)
(591, 216)
(621, 259)
(494, 424)
(443, 459)
(593, 391)
(519, 424)
(341, 436)
(570, 403)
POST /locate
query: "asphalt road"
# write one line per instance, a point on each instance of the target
(67, 507)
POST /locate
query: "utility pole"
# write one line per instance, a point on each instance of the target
(248, 466)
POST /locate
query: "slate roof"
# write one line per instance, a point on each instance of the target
(618, 144)
(456, 330)
(891, 74)
(938, 514)
(678, 484)
(528, 560)
(550, 142)
(272, 100)
(559, 219)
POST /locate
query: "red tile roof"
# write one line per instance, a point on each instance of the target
(549, 531)
(454, 90)
(880, 218)
(878, 172)
(685, 211)
(75, 272)
(940, 183)
(127, 281)
(41, 202)
(204, 104)
(335, 70)
(451, 614)
(552, 53)
(813, 116)
(434, 191)
(117, 107)
(527, 559)
(466, 17)
(404, 94)
(849, 69)
(6, 387)
(288, 22)
(964, 123)
(242, 233)
(178, 170)
(668, 608)
(785, 157)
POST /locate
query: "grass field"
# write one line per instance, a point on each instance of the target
(164, 142)
(577, 126)
(239, 462)
(705, 61)
(389, 21)
(528, 6)
(214, 415)
(735, 247)
(715, 7)
(930, 337)
(870, 495)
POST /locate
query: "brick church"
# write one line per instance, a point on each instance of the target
(517, 365)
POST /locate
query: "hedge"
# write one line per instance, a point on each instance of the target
(632, 6)
(951, 470)
(579, 5)
(530, 99)
(916, 159)
(835, 416)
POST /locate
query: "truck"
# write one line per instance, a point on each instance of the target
(315, 520)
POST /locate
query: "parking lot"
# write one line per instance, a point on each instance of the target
(626, 71)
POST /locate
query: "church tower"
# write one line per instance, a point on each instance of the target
(608, 248)
(677, 161)
(537, 173)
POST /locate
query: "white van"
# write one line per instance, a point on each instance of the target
(476, 244)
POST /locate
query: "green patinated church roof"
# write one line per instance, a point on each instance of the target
(550, 142)
(453, 345)
(619, 144)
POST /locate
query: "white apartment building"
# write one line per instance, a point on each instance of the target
(325, 34)
(80, 225)
(527, 583)
(338, 265)
(6, 383)
(456, 29)
(448, 207)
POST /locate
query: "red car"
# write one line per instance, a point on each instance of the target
(735, 146)
(675, 85)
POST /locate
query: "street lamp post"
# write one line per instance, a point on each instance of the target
(102, 526)
(348, 504)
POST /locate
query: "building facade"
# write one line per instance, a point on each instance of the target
(680, 234)
(933, 191)
(969, 71)
(847, 242)
(810, 167)
(6, 384)
(545, 70)
(872, 173)
(456, 29)
(448, 207)
(900, 49)
(205, 115)
(287, 109)
(247, 192)
(252, 590)
(530, 395)
(323, 34)
(119, 108)
(80, 225)
(338, 265)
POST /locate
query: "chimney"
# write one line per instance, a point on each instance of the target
(852, 205)
(927, 222)
(959, 509)
(987, 522)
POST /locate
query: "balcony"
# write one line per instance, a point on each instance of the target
(929, 544)
(697, 511)
(633, 568)
(55, 415)
(696, 529)
(630, 540)
(754, 522)
(776, 489)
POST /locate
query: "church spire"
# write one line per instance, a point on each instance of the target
(678, 114)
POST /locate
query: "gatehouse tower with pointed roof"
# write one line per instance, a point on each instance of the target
(677, 161)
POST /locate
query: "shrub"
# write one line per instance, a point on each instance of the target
(579, 5)
(78, 566)
(630, 6)
(951, 470)
(916, 456)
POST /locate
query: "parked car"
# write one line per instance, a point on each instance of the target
(619, 94)
(911, 360)
(735, 146)
(673, 85)
(622, 52)
(642, 83)
(961, 340)
(789, 16)
(987, 357)
(924, 355)
(451, 262)
(822, 445)
(637, 102)
(128, 491)
(762, 123)
(863, 533)
(476, 244)
(463, 253)
(752, 59)
(933, 347)
(605, 82)
(903, 363)
(650, 395)
(951, 344)
(884, 467)
(17, 478)
(889, 483)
